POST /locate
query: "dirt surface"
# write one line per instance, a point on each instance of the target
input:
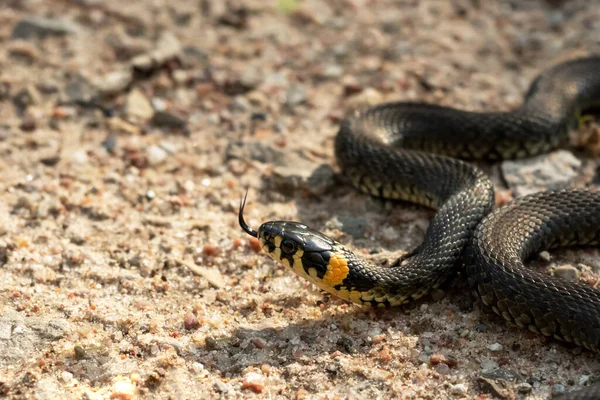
(130, 129)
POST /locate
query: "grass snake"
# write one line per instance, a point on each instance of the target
(410, 151)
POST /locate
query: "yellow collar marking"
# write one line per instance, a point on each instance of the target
(337, 270)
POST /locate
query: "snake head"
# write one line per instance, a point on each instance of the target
(307, 252)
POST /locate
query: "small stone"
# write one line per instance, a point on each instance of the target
(26, 97)
(137, 106)
(458, 389)
(549, 171)
(567, 272)
(254, 382)
(156, 155)
(158, 104)
(558, 388)
(495, 347)
(5, 330)
(301, 394)
(333, 71)
(555, 19)
(240, 103)
(4, 133)
(212, 275)
(353, 225)
(110, 143)
(66, 376)
(298, 173)
(28, 123)
(251, 77)
(442, 369)
(79, 157)
(80, 353)
(254, 244)
(123, 390)
(198, 367)
(30, 27)
(524, 388)
(545, 256)
(235, 17)
(168, 47)
(255, 151)
(503, 197)
(367, 98)
(499, 382)
(211, 343)
(181, 77)
(114, 82)
(222, 387)
(79, 91)
(210, 250)
(190, 321)
(259, 343)
(295, 95)
(168, 119)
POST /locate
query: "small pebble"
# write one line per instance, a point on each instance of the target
(295, 95)
(254, 244)
(376, 339)
(567, 272)
(80, 352)
(459, 389)
(442, 369)
(33, 26)
(503, 197)
(210, 250)
(168, 120)
(495, 347)
(584, 380)
(524, 388)
(137, 106)
(558, 388)
(259, 343)
(28, 123)
(301, 394)
(545, 256)
(198, 367)
(123, 390)
(254, 382)
(222, 387)
(66, 376)
(211, 343)
(79, 157)
(156, 155)
(190, 321)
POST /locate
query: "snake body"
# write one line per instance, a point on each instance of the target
(410, 151)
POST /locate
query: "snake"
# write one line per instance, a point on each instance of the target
(423, 153)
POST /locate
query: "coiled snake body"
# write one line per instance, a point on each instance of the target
(393, 151)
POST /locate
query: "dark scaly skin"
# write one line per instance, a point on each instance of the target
(375, 149)
(544, 304)
(568, 311)
(388, 151)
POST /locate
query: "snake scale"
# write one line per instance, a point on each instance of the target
(412, 152)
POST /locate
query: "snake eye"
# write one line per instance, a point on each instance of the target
(288, 247)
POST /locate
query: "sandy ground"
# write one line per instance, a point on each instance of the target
(129, 131)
